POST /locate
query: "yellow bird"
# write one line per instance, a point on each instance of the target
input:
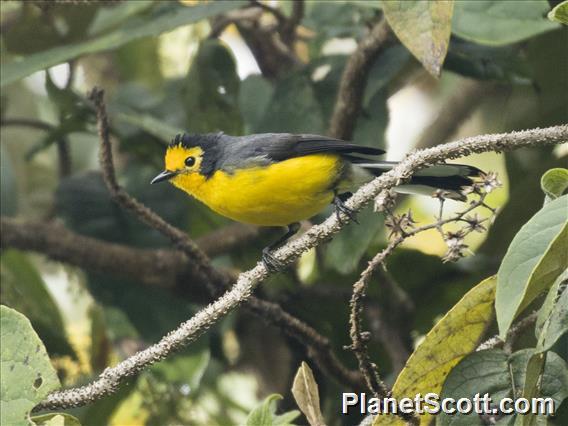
(279, 179)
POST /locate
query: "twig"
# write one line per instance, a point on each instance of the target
(27, 122)
(167, 269)
(190, 330)
(512, 335)
(202, 268)
(354, 80)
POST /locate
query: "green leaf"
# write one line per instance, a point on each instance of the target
(503, 63)
(185, 368)
(211, 91)
(532, 384)
(496, 22)
(497, 374)
(559, 13)
(346, 250)
(8, 185)
(552, 321)
(254, 96)
(306, 394)
(24, 290)
(26, 372)
(30, 30)
(554, 182)
(457, 334)
(164, 17)
(264, 414)
(385, 68)
(554, 382)
(150, 124)
(293, 108)
(536, 256)
(56, 419)
(108, 18)
(424, 27)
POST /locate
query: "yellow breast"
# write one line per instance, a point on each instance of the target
(274, 195)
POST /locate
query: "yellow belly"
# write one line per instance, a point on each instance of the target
(277, 195)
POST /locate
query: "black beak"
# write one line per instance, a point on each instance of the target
(165, 175)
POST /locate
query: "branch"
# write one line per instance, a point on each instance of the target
(27, 122)
(168, 269)
(401, 228)
(511, 336)
(242, 290)
(354, 80)
(151, 267)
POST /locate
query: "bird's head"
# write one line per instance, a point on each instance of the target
(187, 162)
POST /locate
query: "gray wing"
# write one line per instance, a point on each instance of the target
(266, 148)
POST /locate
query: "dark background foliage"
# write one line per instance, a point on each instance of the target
(166, 68)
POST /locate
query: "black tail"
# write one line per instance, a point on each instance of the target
(449, 177)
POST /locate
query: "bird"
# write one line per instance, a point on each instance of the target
(280, 179)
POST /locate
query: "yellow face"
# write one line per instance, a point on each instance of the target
(186, 163)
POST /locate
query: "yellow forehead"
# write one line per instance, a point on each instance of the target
(176, 155)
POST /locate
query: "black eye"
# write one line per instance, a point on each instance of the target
(190, 161)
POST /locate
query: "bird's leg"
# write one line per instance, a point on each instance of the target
(271, 263)
(340, 207)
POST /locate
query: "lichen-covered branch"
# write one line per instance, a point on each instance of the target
(247, 281)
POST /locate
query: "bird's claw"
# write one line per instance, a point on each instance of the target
(270, 262)
(340, 207)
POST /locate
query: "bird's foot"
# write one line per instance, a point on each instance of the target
(340, 207)
(270, 262)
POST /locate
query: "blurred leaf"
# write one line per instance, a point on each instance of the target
(559, 13)
(535, 258)
(27, 375)
(100, 412)
(254, 96)
(24, 290)
(108, 18)
(100, 352)
(372, 124)
(185, 368)
(457, 334)
(85, 205)
(386, 67)
(36, 30)
(306, 394)
(139, 61)
(524, 171)
(554, 182)
(335, 20)
(346, 250)
(490, 372)
(150, 124)
(56, 419)
(424, 27)
(264, 414)
(497, 23)
(293, 108)
(8, 187)
(552, 320)
(503, 63)
(211, 91)
(165, 17)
